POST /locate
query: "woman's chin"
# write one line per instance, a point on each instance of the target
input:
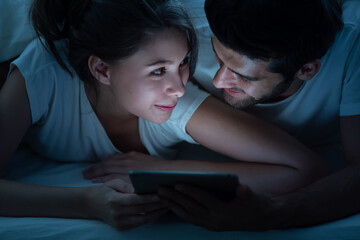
(159, 119)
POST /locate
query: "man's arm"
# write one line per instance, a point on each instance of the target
(333, 197)
(330, 198)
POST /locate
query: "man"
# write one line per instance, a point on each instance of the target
(297, 65)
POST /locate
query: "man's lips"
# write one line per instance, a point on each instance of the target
(166, 108)
(234, 92)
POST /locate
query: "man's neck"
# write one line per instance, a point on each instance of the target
(292, 89)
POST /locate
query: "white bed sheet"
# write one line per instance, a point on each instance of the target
(30, 168)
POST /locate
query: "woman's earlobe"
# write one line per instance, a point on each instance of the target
(308, 70)
(99, 69)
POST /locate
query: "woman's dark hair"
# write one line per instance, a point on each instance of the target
(288, 33)
(109, 29)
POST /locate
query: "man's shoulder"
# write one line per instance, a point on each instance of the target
(346, 41)
(351, 12)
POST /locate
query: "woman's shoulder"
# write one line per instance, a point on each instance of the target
(188, 103)
(174, 127)
(46, 81)
(37, 58)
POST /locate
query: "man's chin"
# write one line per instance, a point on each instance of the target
(239, 103)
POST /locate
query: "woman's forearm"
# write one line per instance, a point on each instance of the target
(265, 178)
(21, 200)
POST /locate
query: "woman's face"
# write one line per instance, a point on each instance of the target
(149, 83)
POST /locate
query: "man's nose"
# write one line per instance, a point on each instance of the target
(224, 78)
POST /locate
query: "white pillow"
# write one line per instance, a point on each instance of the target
(15, 28)
(207, 65)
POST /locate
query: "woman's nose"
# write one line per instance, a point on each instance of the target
(176, 86)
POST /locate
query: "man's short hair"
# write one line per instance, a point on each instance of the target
(288, 33)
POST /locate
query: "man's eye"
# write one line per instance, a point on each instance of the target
(159, 72)
(184, 62)
(218, 60)
(244, 80)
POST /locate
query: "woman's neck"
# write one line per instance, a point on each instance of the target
(105, 106)
(120, 126)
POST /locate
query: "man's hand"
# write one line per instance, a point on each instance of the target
(117, 166)
(247, 211)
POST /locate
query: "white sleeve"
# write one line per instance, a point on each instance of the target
(183, 111)
(159, 138)
(39, 71)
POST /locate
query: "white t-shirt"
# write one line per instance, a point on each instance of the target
(65, 127)
(312, 114)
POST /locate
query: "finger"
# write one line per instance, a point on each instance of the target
(187, 203)
(142, 208)
(132, 221)
(198, 194)
(120, 186)
(243, 192)
(135, 199)
(107, 178)
(108, 165)
(180, 211)
(95, 171)
(103, 169)
(155, 215)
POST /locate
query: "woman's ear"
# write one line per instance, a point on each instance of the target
(99, 69)
(308, 70)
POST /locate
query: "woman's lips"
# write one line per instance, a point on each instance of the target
(166, 108)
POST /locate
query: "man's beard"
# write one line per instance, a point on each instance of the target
(251, 101)
(239, 104)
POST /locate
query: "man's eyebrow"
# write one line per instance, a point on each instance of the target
(163, 61)
(239, 74)
(245, 76)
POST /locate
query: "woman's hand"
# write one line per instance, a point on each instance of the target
(117, 166)
(115, 203)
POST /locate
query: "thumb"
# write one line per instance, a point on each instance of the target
(121, 186)
(244, 192)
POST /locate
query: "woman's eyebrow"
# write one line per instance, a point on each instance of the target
(163, 61)
(159, 62)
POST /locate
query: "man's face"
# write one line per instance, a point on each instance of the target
(244, 81)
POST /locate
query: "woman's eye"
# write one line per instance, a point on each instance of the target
(184, 63)
(159, 72)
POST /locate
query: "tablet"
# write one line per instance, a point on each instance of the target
(222, 185)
